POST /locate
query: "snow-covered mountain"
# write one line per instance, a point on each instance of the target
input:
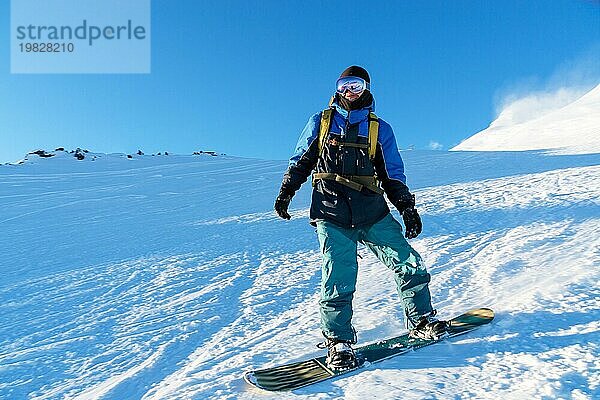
(529, 124)
(167, 277)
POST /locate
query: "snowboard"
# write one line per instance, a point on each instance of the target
(298, 374)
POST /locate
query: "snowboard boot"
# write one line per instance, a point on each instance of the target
(340, 356)
(429, 328)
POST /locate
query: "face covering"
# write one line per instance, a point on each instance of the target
(365, 100)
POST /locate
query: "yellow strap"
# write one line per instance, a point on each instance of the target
(368, 182)
(324, 130)
(373, 135)
(373, 131)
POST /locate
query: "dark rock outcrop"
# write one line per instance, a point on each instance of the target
(79, 154)
(41, 153)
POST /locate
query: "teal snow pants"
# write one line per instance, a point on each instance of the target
(340, 267)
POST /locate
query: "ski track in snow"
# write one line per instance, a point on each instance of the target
(168, 281)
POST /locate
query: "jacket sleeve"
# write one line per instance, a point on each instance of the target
(390, 169)
(305, 157)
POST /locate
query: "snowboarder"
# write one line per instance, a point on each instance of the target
(356, 160)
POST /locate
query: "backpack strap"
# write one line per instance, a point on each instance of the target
(353, 182)
(373, 131)
(324, 129)
(373, 135)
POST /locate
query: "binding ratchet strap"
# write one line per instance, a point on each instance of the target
(353, 182)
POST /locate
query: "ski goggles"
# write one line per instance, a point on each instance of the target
(353, 84)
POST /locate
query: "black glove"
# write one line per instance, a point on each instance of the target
(405, 201)
(412, 222)
(282, 203)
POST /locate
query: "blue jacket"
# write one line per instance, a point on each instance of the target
(336, 202)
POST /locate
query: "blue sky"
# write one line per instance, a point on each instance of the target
(243, 77)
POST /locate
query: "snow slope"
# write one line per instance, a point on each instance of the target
(166, 277)
(527, 125)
